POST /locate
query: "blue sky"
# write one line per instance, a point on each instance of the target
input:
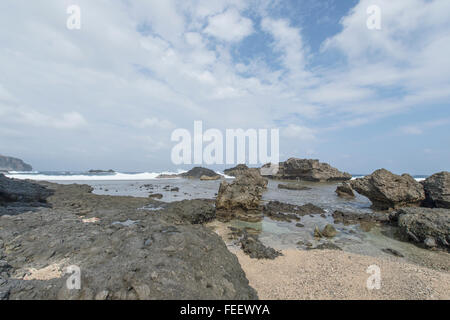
(110, 94)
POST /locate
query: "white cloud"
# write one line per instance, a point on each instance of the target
(154, 122)
(229, 26)
(300, 133)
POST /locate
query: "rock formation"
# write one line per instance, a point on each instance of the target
(430, 227)
(13, 164)
(238, 170)
(437, 190)
(345, 191)
(241, 198)
(308, 170)
(389, 191)
(198, 172)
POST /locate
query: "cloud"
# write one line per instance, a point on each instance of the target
(301, 133)
(154, 122)
(229, 26)
(418, 129)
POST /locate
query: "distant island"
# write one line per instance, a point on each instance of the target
(13, 164)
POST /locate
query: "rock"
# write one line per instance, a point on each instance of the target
(420, 224)
(308, 170)
(348, 218)
(389, 191)
(207, 178)
(101, 171)
(325, 246)
(21, 194)
(241, 198)
(345, 191)
(13, 164)
(155, 196)
(251, 246)
(300, 225)
(437, 190)
(329, 231)
(317, 233)
(181, 261)
(238, 170)
(175, 189)
(292, 186)
(280, 211)
(198, 172)
(196, 211)
(392, 252)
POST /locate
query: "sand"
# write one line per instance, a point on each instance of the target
(332, 274)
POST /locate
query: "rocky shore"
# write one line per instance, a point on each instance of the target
(143, 248)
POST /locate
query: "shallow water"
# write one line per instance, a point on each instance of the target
(285, 235)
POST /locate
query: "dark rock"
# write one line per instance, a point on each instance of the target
(420, 224)
(308, 170)
(17, 196)
(345, 191)
(325, 246)
(392, 252)
(162, 256)
(198, 172)
(328, 232)
(280, 211)
(238, 170)
(156, 196)
(292, 186)
(251, 246)
(196, 211)
(437, 190)
(13, 164)
(389, 191)
(101, 171)
(300, 225)
(348, 218)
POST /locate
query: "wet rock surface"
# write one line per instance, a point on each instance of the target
(437, 190)
(349, 218)
(293, 186)
(388, 191)
(17, 196)
(309, 170)
(280, 211)
(429, 227)
(126, 248)
(253, 247)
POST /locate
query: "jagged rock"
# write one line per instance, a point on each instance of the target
(253, 247)
(392, 252)
(328, 232)
(437, 190)
(424, 225)
(13, 164)
(198, 172)
(293, 186)
(348, 218)
(345, 191)
(389, 191)
(16, 194)
(241, 198)
(308, 170)
(280, 211)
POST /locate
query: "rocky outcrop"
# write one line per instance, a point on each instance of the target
(207, 178)
(287, 212)
(13, 164)
(254, 248)
(430, 227)
(437, 190)
(345, 191)
(389, 191)
(125, 249)
(349, 218)
(308, 170)
(241, 198)
(198, 172)
(18, 195)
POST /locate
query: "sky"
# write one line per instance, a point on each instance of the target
(109, 95)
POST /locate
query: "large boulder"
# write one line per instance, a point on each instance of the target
(241, 198)
(308, 170)
(345, 191)
(437, 190)
(198, 172)
(238, 170)
(430, 227)
(21, 192)
(13, 164)
(389, 191)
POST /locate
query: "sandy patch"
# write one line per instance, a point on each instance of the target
(90, 220)
(52, 271)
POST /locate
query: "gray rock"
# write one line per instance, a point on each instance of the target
(293, 186)
(389, 191)
(251, 246)
(437, 190)
(238, 170)
(420, 224)
(198, 172)
(307, 170)
(345, 191)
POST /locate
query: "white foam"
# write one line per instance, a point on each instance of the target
(85, 177)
